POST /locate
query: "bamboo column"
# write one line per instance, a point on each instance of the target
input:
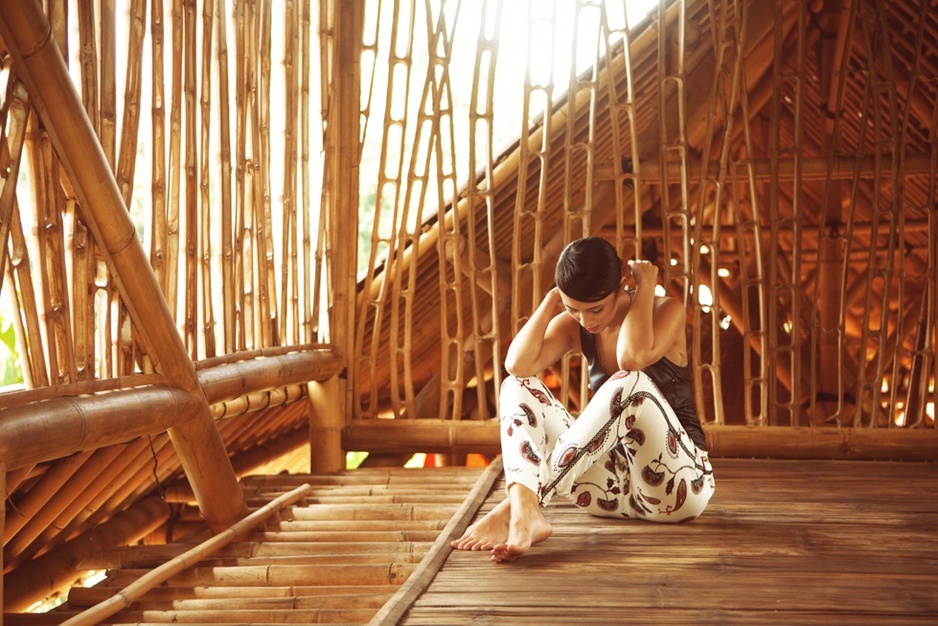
(27, 32)
(343, 144)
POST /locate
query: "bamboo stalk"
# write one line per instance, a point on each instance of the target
(90, 477)
(725, 441)
(266, 283)
(420, 579)
(127, 160)
(206, 274)
(246, 166)
(197, 442)
(388, 573)
(230, 381)
(82, 597)
(42, 575)
(309, 322)
(174, 193)
(184, 561)
(225, 207)
(343, 167)
(50, 237)
(60, 427)
(16, 103)
(35, 502)
(158, 225)
(25, 317)
(289, 309)
(76, 389)
(189, 163)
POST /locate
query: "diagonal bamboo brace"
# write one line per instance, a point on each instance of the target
(38, 61)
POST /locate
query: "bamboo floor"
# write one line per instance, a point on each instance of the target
(800, 542)
(804, 542)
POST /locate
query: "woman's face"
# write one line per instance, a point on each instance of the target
(593, 316)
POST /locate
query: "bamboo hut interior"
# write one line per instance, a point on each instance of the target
(253, 238)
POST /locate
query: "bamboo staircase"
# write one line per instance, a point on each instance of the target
(333, 549)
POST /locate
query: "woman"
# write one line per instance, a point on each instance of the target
(637, 449)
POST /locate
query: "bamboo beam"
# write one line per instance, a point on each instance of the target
(27, 32)
(132, 592)
(35, 579)
(232, 380)
(812, 168)
(445, 436)
(57, 428)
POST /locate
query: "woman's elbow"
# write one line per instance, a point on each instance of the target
(512, 366)
(634, 361)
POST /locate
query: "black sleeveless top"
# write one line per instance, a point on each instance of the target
(672, 380)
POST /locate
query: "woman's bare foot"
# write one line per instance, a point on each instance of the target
(488, 531)
(527, 527)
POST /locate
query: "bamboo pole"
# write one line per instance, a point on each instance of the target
(420, 579)
(206, 208)
(343, 140)
(127, 160)
(11, 151)
(225, 207)
(230, 381)
(161, 574)
(448, 436)
(66, 502)
(158, 225)
(37, 498)
(190, 200)
(26, 31)
(57, 428)
(35, 579)
(25, 316)
(171, 245)
(325, 426)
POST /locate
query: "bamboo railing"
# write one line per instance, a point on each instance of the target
(152, 284)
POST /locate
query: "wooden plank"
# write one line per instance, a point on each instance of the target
(391, 612)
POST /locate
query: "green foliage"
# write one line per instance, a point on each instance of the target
(10, 371)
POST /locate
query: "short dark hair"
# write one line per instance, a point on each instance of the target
(589, 269)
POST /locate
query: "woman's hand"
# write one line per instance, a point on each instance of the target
(553, 302)
(644, 272)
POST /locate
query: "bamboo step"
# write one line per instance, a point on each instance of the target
(335, 551)
(152, 556)
(180, 598)
(211, 616)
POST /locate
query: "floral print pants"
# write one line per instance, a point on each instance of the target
(626, 455)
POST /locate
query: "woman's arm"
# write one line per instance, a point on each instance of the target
(652, 325)
(543, 339)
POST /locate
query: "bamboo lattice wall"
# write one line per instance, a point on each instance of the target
(223, 192)
(703, 148)
(773, 158)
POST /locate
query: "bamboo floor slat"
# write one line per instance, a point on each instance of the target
(807, 542)
(336, 556)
